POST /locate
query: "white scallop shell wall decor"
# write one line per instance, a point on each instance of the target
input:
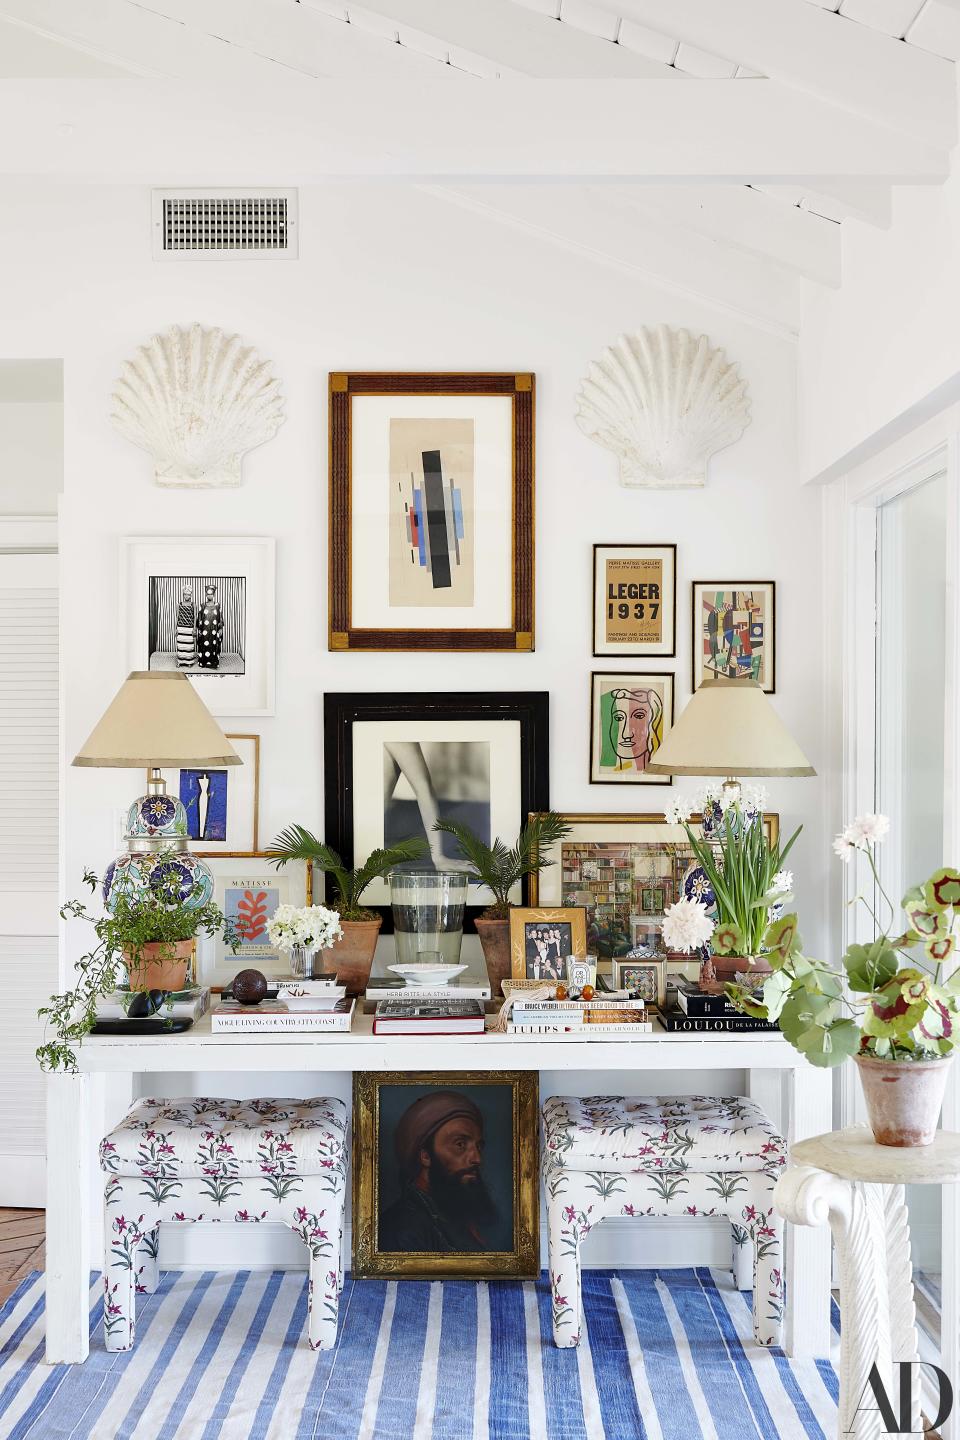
(197, 400)
(663, 401)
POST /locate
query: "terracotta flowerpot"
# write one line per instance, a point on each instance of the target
(903, 1098)
(353, 955)
(162, 965)
(727, 967)
(495, 942)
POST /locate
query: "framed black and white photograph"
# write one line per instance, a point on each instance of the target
(222, 804)
(394, 764)
(205, 607)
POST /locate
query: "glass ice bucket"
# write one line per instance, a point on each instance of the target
(428, 908)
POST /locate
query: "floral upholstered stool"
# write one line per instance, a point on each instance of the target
(223, 1161)
(659, 1155)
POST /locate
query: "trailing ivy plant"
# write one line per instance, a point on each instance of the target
(499, 867)
(139, 915)
(297, 843)
(897, 998)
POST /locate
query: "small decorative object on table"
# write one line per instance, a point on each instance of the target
(424, 974)
(249, 987)
(580, 971)
(352, 954)
(641, 977)
(146, 936)
(900, 1021)
(499, 870)
(301, 931)
(428, 907)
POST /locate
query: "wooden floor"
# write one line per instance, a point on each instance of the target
(21, 1247)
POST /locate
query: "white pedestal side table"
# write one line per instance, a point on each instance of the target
(845, 1179)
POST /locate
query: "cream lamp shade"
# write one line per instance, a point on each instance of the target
(156, 718)
(730, 728)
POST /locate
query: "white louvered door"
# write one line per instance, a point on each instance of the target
(29, 899)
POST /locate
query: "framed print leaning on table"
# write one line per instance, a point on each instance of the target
(394, 764)
(625, 870)
(431, 511)
(445, 1178)
(541, 940)
(248, 889)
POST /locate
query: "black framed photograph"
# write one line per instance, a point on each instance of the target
(394, 764)
(635, 600)
(445, 1179)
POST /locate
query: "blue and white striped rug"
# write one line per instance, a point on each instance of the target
(667, 1355)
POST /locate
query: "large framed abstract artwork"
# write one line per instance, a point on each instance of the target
(445, 1174)
(431, 511)
(635, 600)
(625, 870)
(222, 805)
(394, 764)
(630, 717)
(203, 606)
(734, 633)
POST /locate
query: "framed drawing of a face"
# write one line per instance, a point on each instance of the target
(734, 634)
(445, 1174)
(204, 607)
(394, 764)
(630, 717)
(222, 805)
(635, 600)
(431, 512)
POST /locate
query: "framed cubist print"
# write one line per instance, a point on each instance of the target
(630, 717)
(635, 600)
(394, 764)
(205, 607)
(431, 512)
(445, 1177)
(625, 870)
(248, 889)
(734, 631)
(222, 804)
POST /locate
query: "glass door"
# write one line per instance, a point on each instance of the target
(910, 781)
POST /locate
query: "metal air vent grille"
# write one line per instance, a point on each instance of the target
(224, 225)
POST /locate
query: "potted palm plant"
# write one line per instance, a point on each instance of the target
(353, 953)
(147, 936)
(499, 868)
(894, 1006)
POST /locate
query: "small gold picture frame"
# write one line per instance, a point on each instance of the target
(541, 939)
(405, 1124)
(644, 979)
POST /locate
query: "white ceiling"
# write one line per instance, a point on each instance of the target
(831, 103)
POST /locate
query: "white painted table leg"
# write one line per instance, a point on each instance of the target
(807, 1251)
(900, 1301)
(68, 1219)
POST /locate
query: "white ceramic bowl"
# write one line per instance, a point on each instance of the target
(427, 974)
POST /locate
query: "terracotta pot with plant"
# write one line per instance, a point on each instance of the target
(894, 1006)
(353, 954)
(499, 869)
(146, 939)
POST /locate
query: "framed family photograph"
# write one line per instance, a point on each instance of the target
(431, 511)
(206, 607)
(644, 979)
(394, 764)
(734, 632)
(542, 939)
(630, 717)
(625, 870)
(248, 889)
(445, 1176)
(222, 805)
(635, 600)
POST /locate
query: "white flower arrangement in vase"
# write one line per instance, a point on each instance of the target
(300, 931)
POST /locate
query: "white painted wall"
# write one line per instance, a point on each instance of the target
(393, 278)
(31, 457)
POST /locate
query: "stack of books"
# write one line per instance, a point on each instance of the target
(179, 1004)
(421, 1016)
(463, 988)
(603, 1017)
(690, 1009)
(317, 1013)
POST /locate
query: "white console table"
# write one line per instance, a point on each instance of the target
(778, 1078)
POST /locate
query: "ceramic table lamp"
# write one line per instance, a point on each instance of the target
(157, 718)
(729, 728)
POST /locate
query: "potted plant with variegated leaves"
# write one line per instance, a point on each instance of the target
(894, 1006)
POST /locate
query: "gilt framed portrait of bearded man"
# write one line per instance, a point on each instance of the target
(445, 1175)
